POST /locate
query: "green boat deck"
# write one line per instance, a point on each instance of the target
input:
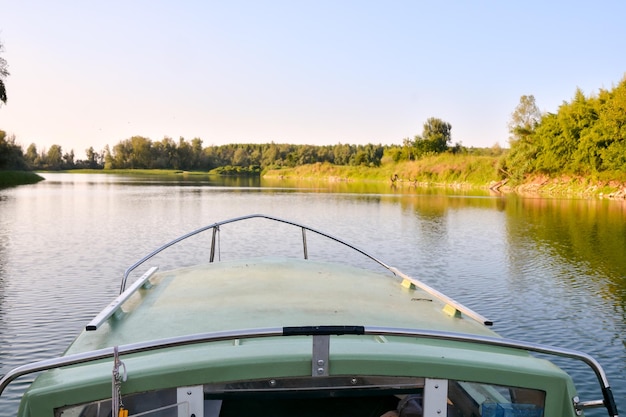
(262, 293)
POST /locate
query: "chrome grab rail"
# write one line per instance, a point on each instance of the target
(608, 401)
(216, 229)
(115, 304)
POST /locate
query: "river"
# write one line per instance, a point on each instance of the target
(549, 271)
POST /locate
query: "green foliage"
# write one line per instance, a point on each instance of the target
(141, 153)
(55, 160)
(587, 136)
(11, 154)
(434, 140)
(93, 159)
(437, 134)
(237, 170)
(524, 119)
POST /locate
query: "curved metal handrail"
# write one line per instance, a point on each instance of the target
(216, 227)
(608, 401)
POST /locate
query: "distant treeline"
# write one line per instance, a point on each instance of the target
(139, 152)
(587, 137)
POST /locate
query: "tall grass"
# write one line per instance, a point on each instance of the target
(438, 169)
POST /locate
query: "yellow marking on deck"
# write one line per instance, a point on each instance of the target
(451, 311)
(408, 284)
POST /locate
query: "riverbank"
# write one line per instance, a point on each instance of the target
(14, 178)
(467, 173)
(476, 171)
(572, 187)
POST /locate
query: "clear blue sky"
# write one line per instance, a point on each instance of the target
(91, 73)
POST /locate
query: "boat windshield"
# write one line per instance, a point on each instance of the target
(347, 396)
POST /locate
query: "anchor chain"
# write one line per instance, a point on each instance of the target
(117, 405)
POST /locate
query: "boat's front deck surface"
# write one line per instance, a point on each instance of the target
(269, 293)
(262, 293)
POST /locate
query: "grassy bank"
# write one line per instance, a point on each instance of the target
(14, 178)
(445, 170)
(471, 171)
(462, 171)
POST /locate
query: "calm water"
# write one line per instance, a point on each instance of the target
(545, 270)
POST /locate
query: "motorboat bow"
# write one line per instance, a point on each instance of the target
(284, 336)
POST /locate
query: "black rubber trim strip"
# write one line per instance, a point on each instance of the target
(322, 330)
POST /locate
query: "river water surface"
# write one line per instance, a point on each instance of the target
(550, 271)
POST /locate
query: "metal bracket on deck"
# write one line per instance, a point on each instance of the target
(321, 342)
(321, 348)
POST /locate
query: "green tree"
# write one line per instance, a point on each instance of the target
(435, 138)
(586, 136)
(109, 161)
(524, 119)
(271, 156)
(306, 154)
(92, 158)
(240, 158)
(395, 153)
(31, 156)
(612, 122)
(164, 154)
(520, 160)
(11, 154)
(68, 160)
(256, 155)
(553, 147)
(141, 152)
(185, 155)
(369, 155)
(578, 122)
(409, 149)
(120, 156)
(54, 158)
(3, 74)
(196, 150)
(342, 154)
(438, 134)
